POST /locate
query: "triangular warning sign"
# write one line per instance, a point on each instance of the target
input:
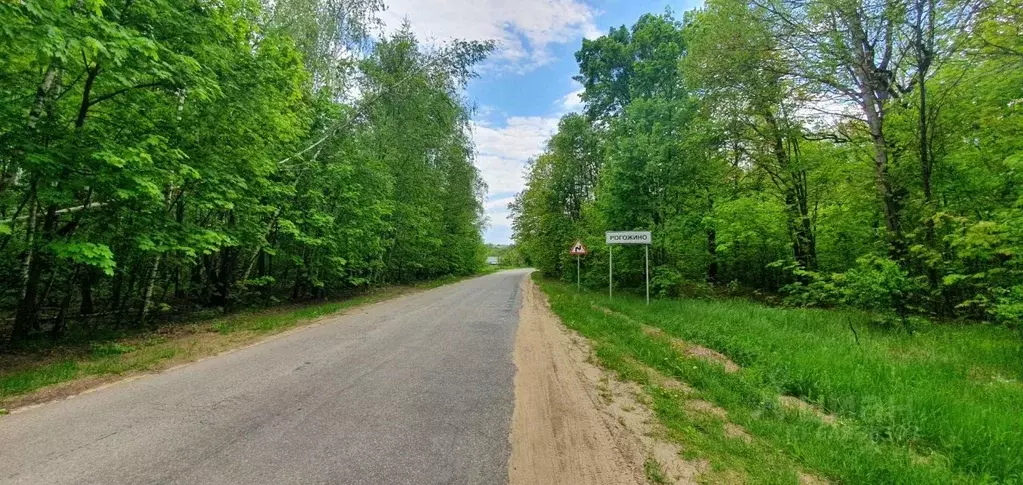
(578, 249)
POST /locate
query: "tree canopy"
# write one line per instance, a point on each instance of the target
(162, 157)
(829, 152)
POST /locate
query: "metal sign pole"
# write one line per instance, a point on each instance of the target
(646, 256)
(610, 264)
(613, 238)
(578, 250)
(578, 278)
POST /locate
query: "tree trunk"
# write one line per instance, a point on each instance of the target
(712, 249)
(804, 247)
(925, 156)
(222, 288)
(890, 197)
(83, 107)
(124, 302)
(806, 231)
(874, 87)
(225, 274)
(209, 266)
(60, 325)
(147, 294)
(26, 316)
(87, 306)
(115, 293)
(43, 97)
(923, 44)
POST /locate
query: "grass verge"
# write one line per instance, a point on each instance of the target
(941, 406)
(46, 376)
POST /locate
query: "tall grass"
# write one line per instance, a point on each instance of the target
(942, 405)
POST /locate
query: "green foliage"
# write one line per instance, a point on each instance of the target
(842, 153)
(509, 255)
(813, 289)
(1008, 308)
(177, 155)
(876, 284)
(666, 281)
(96, 255)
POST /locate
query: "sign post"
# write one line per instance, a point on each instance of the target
(610, 272)
(627, 237)
(578, 250)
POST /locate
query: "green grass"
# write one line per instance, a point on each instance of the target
(653, 471)
(944, 405)
(269, 322)
(96, 363)
(155, 350)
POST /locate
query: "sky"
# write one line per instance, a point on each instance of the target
(526, 85)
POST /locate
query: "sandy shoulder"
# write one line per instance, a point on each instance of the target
(573, 423)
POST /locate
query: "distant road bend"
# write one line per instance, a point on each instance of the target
(416, 390)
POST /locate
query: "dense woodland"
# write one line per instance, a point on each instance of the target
(819, 152)
(160, 157)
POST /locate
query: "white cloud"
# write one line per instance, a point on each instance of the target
(497, 204)
(498, 213)
(504, 151)
(524, 29)
(486, 111)
(502, 154)
(571, 102)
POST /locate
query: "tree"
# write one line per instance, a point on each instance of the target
(158, 158)
(740, 138)
(734, 62)
(851, 50)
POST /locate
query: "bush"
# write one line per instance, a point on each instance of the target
(811, 289)
(878, 284)
(1008, 309)
(875, 284)
(815, 290)
(666, 281)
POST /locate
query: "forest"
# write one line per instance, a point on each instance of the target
(167, 157)
(854, 153)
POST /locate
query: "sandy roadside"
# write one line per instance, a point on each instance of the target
(573, 423)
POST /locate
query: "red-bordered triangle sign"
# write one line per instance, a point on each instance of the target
(578, 249)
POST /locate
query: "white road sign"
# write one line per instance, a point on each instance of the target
(627, 237)
(578, 249)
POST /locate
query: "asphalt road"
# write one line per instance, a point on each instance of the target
(415, 390)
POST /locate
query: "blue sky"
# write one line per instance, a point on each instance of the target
(527, 84)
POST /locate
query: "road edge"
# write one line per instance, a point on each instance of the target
(92, 383)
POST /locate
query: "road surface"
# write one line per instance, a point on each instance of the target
(415, 390)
